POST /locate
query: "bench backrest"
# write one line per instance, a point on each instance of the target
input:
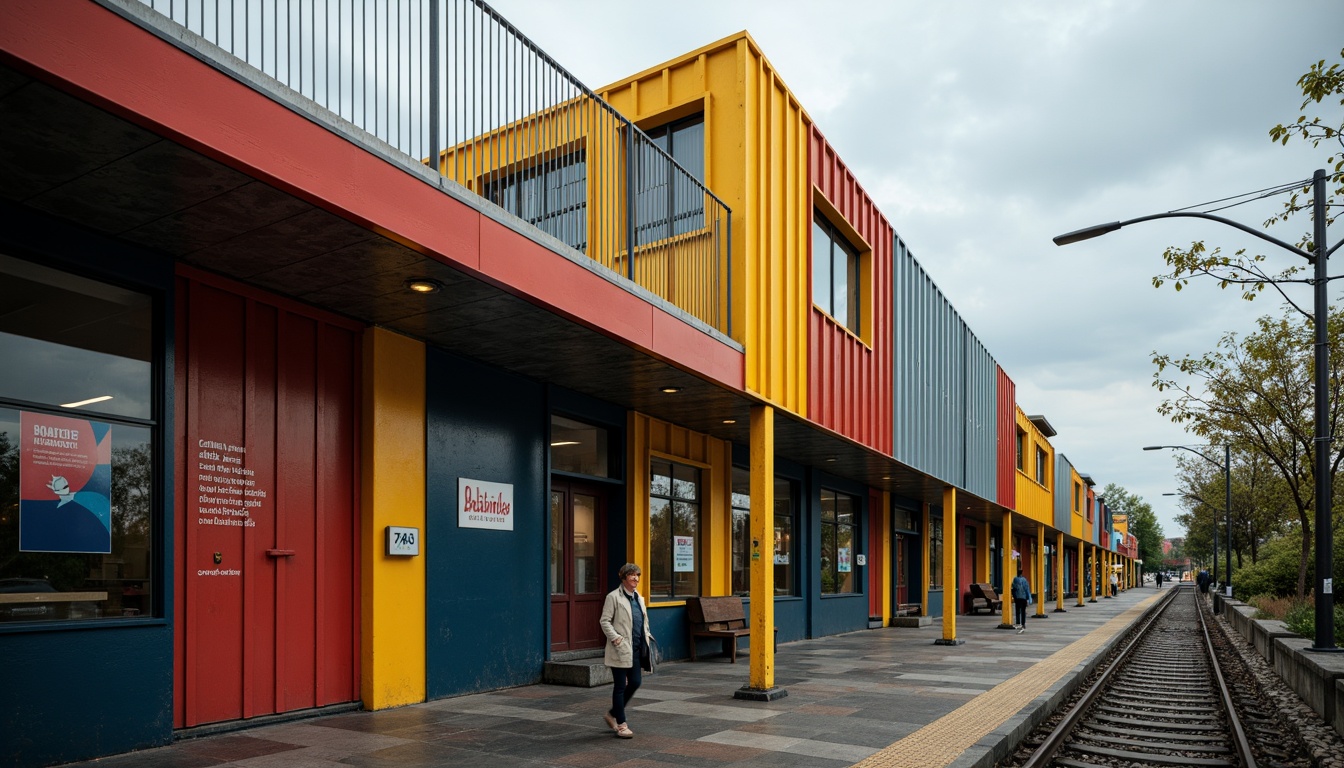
(986, 591)
(715, 612)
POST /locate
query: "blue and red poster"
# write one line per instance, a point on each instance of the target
(65, 484)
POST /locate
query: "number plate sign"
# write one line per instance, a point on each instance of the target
(403, 541)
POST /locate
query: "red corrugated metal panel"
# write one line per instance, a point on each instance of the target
(850, 382)
(1007, 464)
(267, 610)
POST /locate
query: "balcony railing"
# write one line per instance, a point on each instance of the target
(454, 81)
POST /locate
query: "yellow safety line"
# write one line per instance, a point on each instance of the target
(945, 739)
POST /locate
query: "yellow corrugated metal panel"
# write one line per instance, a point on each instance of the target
(1035, 500)
(756, 136)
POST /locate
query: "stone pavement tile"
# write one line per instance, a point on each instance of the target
(235, 746)
(385, 722)
(160, 757)
(426, 755)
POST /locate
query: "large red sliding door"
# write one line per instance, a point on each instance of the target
(266, 536)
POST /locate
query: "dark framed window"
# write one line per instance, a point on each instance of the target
(839, 538)
(579, 448)
(674, 530)
(1021, 450)
(552, 196)
(1042, 467)
(783, 545)
(935, 549)
(78, 501)
(1077, 498)
(668, 202)
(835, 274)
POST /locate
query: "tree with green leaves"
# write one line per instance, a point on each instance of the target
(1256, 393)
(1142, 523)
(1321, 86)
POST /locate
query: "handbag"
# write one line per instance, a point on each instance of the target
(651, 659)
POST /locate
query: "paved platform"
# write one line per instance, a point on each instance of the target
(880, 698)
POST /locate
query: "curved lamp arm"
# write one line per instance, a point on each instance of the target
(1087, 233)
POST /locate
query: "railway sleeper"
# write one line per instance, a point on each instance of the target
(1184, 746)
(1148, 757)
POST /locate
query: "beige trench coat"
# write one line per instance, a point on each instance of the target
(617, 622)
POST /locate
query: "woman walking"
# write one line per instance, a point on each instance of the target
(1021, 591)
(625, 622)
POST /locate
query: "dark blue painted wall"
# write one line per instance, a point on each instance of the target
(79, 690)
(486, 591)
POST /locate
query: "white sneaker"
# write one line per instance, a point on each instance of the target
(1022, 629)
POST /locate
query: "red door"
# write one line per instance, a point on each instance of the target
(578, 565)
(267, 599)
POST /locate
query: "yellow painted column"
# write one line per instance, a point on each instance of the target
(949, 568)
(888, 558)
(1059, 573)
(1040, 571)
(1096, 572)
(392, 484)
(1081, 584)
(762, 522)
(1009, 571)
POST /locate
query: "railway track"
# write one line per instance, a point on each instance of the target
(1173, 695)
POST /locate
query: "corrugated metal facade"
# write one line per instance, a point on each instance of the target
(1035, 499)
(1064, 492)
(947, 417)
(849, 386)
(1007, 416)
(756, 146)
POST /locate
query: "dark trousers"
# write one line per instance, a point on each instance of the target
(625, 683)
(1020, 610)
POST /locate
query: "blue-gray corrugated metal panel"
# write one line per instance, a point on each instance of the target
(1063, 492)
(944, 383)
(982, 435)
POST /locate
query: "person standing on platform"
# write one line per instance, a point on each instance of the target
(1021, 591)
(1115, 585)
(1158, 579)
(625, 622)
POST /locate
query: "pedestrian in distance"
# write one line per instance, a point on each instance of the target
(1158, 578)
(1115, 585)
(1202, 581)
(1021, 591)
(625, 622)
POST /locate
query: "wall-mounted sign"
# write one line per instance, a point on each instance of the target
(842, 560)
(482, 504)
(860, 559)
(403, 541)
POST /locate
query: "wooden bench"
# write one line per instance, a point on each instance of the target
(907, 609)
(984, 596)
(721, 617)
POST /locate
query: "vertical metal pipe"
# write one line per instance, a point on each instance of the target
(434, 84)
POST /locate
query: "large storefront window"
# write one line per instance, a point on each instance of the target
(77, 481)
(783, 544)
(839, 536)
(674, 530)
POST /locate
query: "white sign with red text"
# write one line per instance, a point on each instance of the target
(482, 504)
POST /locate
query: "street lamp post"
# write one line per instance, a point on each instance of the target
(1325, 640)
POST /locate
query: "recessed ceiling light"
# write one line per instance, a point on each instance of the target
(730, 421)
(90, 401)
(423, 285)
(559, 443)
(831, 458)
(671, 390)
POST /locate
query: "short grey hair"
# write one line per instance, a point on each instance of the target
(628, 569)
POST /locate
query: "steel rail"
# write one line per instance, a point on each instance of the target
(1045, 753)
(1239, 740)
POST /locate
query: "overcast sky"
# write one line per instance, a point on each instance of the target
(982, 129)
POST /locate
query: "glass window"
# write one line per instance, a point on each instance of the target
(935, 548)
(741, 555)
(905, 519)
(674, 530)
(783, 543)
(839, 537)
(835, 274)
(553, 197)
(1021, 449)
(668, 202)
(1042, 467)
(579, 448)
(77, 481)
